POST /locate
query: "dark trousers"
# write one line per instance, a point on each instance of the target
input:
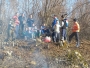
(53, 35)
(21, 29)
(76, 34)
(56, 37)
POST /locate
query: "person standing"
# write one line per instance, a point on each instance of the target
(57, 31)
(54, 21)
(75, 32)
(64, 26)
(16, 22)
(10, 31)
(21, 26)
(30, 21)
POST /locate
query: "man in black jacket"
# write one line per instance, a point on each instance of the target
(30, 21)
(21, 26)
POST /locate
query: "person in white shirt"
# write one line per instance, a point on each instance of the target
(57, 32)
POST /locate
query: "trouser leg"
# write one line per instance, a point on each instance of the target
(63, 34)
(58, 37)
(17, 31)
(53, 36)
(77, 38)
(71, 36)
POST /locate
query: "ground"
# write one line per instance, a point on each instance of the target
(26, 54)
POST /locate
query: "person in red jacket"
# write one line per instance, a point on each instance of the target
(75, 32)
(16, 22)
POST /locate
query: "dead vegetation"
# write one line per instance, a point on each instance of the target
(28, 55)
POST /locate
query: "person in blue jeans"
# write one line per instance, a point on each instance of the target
(64, 26)
(57, 32)
(16, 22)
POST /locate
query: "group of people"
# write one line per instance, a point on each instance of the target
(17, 29)
(60, 30)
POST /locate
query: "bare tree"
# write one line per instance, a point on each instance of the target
(43, 10)
(81, 11)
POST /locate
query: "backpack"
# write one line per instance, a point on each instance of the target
(65, 23)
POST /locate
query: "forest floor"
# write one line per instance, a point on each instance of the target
(27, 55)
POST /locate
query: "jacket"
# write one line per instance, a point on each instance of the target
(30, 22)
(54, 21)
(16, 20)
(76, 27)
(64, 24)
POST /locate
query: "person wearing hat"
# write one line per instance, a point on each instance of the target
(75, 32)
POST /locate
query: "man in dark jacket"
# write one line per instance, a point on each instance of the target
(30, 21)
(21, 26)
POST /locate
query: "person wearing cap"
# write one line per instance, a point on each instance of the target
(75, 32)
